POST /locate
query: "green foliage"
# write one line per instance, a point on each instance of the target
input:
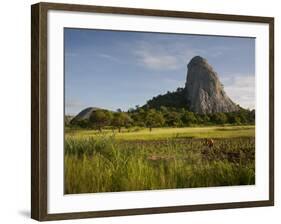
(154, 119)
(121, 119)
(234, 119)
(138, 117)
(162, 117)
(173, 119)
(81, 123)
(241, 117)
(188, 118)
(100, 118)
(219, 118)
(170, 99)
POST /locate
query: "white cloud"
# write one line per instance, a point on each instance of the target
(157, 62)
(241, 89)
(155, 58)
(158, 56)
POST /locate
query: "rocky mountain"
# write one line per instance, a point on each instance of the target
(84, 114)
(204, 91)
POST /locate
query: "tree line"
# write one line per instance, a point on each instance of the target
(162, 117)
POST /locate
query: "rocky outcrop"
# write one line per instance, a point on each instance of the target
(203, 90)
(84, 114)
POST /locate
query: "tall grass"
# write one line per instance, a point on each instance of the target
(104, 164)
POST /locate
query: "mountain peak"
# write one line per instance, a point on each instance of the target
(196, 61)
(203, 89)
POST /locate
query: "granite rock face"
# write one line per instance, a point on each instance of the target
(204, 91)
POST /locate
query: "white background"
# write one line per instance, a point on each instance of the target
(15, 112)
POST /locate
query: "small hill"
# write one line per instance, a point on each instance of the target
(84, 114)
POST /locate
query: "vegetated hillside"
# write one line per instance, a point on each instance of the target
(170, 99)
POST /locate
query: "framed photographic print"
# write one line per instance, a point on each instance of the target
(139, 111)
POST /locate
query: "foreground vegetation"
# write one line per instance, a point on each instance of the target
(166, 158)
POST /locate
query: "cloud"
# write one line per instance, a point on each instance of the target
(158, 62)
(155, 58)
(241, 89)
(163, 56)
(108, 57)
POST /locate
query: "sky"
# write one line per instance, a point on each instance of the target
(120, 69)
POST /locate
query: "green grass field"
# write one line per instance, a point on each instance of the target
(163, 133)
(166, 158)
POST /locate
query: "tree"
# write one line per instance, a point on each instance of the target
(205, 118)
(100, 118)
(164, 109)
(188, 118)
(82, 123)
(252, 116)
(121, 119)
(130, 110)
(243, 116)
(219, 118)
(154, 119)
(173, 119)
(137, 117)
(234, 118)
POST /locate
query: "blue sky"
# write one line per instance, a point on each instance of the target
(115, 69)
